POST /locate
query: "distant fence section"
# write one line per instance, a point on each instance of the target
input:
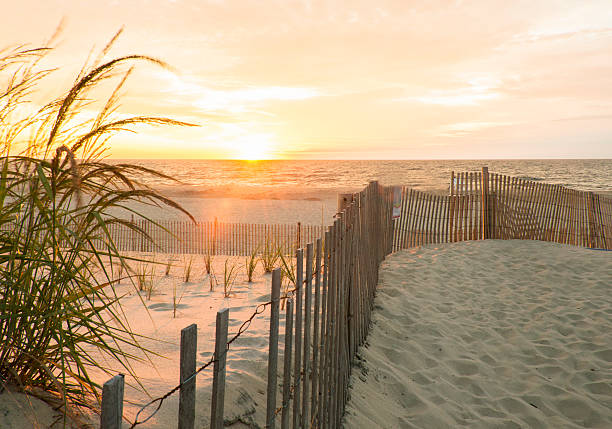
(220, 238)
(484, 205)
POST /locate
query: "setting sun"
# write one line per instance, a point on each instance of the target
(253, 147)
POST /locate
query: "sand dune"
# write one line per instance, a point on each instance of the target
(494, 334)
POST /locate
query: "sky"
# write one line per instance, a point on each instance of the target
(306, 79)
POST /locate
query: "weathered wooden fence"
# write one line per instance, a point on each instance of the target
(328, 312)
(486, 205)
(327, 315)
(220, 238)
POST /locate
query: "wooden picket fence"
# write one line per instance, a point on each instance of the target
(217, 238)
(328, 313)
(326, 320)
(485, 205)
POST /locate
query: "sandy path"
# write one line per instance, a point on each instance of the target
(495, 334)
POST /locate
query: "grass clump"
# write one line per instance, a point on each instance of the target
(57, 197)
(269, 256)
(176, 299)
(187, 266)
(168, 267)
(145, 275)
(229, 277)
(208, 260)
(251, 264)
(288, 273)
(212, 279)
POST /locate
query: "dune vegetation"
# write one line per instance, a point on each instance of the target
(58, 306)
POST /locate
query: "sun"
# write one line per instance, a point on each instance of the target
(253, 147)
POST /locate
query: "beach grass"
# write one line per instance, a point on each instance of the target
(58, 305)
(230, 272)
(187, 266)
(208, 259)
(251, 264)
(269, 255)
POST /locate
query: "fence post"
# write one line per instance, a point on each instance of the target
(112, 403)
(484, 203)
(189, 345)
(287, 364)
(273, 349)
(218, 389)
(307, 337)
(297, 363)
(299, 235)
(345, 199)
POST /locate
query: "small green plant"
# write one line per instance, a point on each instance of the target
(176, 300)
(144, 279)
(187, 269)
(168, 267)
(287, 266)
(288, 270)
(120, 270)
(212, 279)
(208, 259)
(229, 277)
(251, 264)
(269, 256)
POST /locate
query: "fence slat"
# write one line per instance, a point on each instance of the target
(273, 349)
(112, 403)
(287, 364)
(189, 345)
(315, 340)
(218, 389)
(297, 371)
(307, 337)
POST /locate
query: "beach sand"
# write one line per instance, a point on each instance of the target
(247, 358)
(475, 334)
(488, 334)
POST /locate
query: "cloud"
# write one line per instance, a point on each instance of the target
(459, 129)
(476, 91)
(235, 99)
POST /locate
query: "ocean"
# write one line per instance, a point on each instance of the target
(287, 191)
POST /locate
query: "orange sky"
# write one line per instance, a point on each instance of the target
(349, 80)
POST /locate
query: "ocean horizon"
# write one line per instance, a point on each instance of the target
(288, 191)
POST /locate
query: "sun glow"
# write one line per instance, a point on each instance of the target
(253, 147)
